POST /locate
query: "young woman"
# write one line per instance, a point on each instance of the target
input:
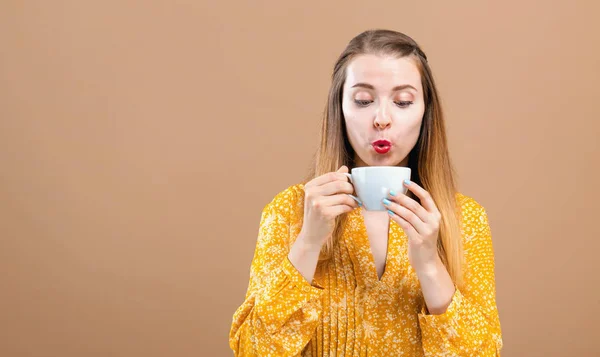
(329, 278)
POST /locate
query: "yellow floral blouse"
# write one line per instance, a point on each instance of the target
(347, 310)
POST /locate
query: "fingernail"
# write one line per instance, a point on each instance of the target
(386, 201)
(392, 193)
(407, 182)
(391, 213)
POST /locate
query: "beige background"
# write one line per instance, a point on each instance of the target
(139, 141)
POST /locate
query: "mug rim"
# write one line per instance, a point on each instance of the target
(381, 167)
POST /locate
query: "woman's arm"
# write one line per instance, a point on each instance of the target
(463, 323)
(437, 287)
(281, 309)
(470, 326)
(304, 256)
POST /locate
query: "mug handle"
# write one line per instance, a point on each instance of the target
(354, 197)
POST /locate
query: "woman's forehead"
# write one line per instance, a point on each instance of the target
(382, 72)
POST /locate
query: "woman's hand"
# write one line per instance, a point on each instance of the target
(325, 199)
(420, 223)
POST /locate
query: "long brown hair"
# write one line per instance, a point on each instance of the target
(429, 160)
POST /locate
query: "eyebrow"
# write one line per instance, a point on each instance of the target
(396, 88)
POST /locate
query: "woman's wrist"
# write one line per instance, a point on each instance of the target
(307, 244)
(304, 256)
(430, 269)
(436, 285)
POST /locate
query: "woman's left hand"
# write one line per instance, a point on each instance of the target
(420, 223)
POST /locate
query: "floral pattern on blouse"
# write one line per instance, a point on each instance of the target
(347, 310)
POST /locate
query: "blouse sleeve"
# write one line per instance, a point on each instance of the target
(281, 310)
(471, 325)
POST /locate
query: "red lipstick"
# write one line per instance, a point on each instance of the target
(382, 146)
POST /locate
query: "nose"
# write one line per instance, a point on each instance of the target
(382, 117)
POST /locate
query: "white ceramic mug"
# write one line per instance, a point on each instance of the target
(373, 183)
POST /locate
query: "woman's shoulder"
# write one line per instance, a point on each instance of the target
(474, 217)
(468, 203)
(289, 195)
(289, 199)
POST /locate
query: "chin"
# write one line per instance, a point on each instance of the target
(380, 160)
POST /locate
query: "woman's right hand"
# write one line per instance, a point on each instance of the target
(325, 198)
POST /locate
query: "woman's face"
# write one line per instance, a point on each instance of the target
(383, 108)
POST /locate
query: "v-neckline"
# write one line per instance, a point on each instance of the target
(363, 238)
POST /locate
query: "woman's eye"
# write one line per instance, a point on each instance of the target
(362, 102)
(404, 104)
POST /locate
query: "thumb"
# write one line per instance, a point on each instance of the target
(343, 169)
